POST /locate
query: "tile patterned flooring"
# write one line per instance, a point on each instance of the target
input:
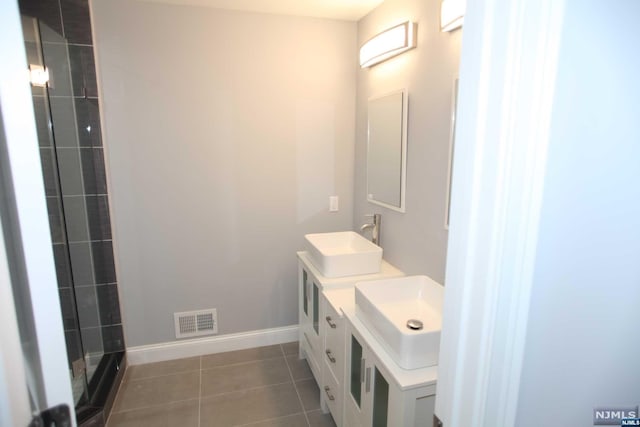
(260, 387)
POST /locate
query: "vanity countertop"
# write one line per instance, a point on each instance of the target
(387, 271)
(343, 300)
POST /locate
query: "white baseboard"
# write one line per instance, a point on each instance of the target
(215, 344)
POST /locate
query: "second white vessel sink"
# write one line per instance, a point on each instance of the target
(405, 315)
(343, 253)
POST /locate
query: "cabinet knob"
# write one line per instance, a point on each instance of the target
(330, 356)
(328, 391)
(329, 321)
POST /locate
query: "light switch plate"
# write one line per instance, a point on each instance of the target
(333, 203)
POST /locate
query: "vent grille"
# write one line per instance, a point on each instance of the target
(196, 323)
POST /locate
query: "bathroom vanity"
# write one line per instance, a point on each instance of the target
(314, 321)
(360, 384)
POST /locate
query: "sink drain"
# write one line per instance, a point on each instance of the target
(414, 324)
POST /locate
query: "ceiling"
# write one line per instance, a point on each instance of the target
(348, 10)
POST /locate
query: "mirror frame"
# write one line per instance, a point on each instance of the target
(403, 154)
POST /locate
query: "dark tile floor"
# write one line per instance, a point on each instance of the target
(262, 387)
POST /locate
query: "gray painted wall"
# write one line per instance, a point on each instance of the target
(415, 241)
(582, 349)
(225, 134)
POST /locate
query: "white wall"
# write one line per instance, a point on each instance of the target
(225, 134)
(415, 241)
(582, 345)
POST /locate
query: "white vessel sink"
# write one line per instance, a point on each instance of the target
(385, 307)
(344, 253)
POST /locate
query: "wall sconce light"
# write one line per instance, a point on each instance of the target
(452, 14)
(388, 44)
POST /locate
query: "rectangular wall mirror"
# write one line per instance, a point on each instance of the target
(387, 150)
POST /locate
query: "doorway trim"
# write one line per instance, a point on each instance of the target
(507, 81)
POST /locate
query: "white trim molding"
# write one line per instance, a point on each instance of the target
(215, 344)
(507, 82)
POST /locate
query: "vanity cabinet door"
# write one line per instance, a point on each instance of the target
(380, 410)
(309, 314)
(368, 392)
(355, 403)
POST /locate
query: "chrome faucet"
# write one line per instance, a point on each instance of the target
(375, 228)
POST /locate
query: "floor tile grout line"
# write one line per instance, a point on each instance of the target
(260, 387)
(295, 387)
(246, 362)
(138, 408)
(253, 423)
(163, 375)
(200, 368)
(200, 393)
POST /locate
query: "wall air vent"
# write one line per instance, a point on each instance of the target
(196, 323)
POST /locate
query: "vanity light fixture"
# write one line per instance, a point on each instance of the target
(388, 44)
(452, 14)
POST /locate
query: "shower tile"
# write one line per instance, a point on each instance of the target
(74, 347)
(88, 121)
(108, 304)
(49, 171)
(75, 212)
(64, 121)
(63, 268)
(33, 56)
(87, 303)
(104, 268)
(98, 215)
(76, 21)
(244, 376)
(56, 224)
(81, 264)
(67, 304)
(95, 181)
(70, 171)
(47, 11)
(113, 338)
(92, 341)
(56, 59)
(41, 111)
(83, 71)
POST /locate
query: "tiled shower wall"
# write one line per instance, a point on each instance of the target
(77, 197)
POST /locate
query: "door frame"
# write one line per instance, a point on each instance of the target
(507, 82)
(30, 239)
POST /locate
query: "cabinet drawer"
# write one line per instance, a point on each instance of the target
(334, 341)
(332, 394)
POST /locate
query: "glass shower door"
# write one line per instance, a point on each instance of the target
(72, 162)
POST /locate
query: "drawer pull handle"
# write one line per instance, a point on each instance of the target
(333, 325)
(331, 358)
(329, 395)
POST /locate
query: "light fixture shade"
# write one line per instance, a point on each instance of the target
(388, 43)
(452, 14)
